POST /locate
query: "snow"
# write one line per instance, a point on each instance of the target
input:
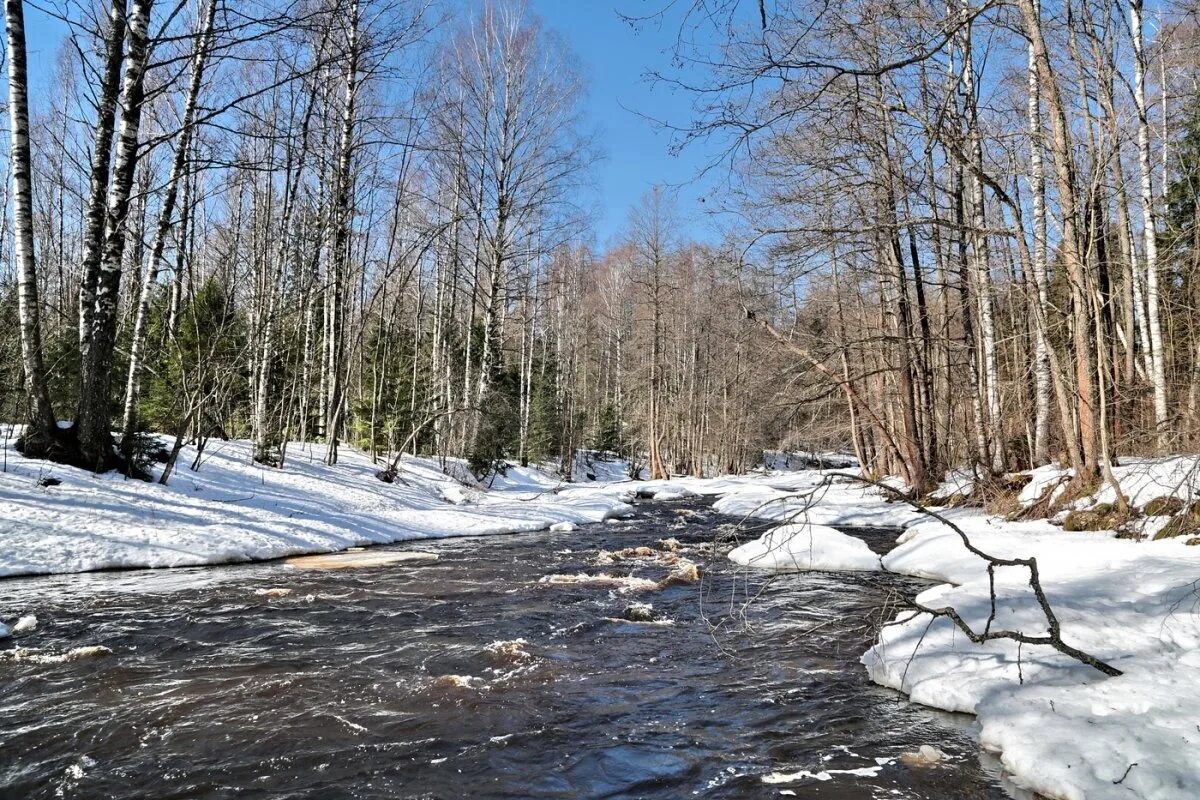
(670, 492)
(1141, 480)
(795, 548)
(820, 498)
(1061, 728)
(233, 510)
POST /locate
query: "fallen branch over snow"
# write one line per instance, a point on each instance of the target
(1053, 637)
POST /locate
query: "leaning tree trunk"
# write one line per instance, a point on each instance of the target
(92, 423)
(42, 413)
(94, 222)
(142, 317)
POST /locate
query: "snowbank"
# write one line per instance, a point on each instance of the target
(1142, 480)
(796, 548)
(670, 492)
(1062, 729)
(233, 510)
(820, 498)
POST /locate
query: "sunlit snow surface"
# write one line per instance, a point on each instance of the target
(799, 547)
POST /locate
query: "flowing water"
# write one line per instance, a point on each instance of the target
(268, 680)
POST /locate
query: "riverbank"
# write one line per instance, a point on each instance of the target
(1061, 728)
(60, 519)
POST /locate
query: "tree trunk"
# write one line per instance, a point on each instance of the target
(44, 424)
(96, 218)
(142, 317)
(1158, 379)
(95, 436)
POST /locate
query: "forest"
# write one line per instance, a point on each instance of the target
(346, 222)
(946, 236)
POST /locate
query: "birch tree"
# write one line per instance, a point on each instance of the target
(44, 427)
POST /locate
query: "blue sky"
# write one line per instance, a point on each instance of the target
(615, 58)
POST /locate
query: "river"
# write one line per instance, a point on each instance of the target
(469, 677)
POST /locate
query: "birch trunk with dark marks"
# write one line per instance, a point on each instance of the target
(178, 167)
(93, 421)
(1041, 282)
(1158, 378)
(44, 424)
(94, 222)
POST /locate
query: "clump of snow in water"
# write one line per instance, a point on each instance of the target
(671, 492)
(924, 756)
(563, 527)
(800, 547)
(25, 624)
(272, 592)
(622, 583)
(33, 655)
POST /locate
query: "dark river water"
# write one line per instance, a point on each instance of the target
(386, 683)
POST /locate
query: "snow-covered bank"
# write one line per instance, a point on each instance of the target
(233, 510)
(817, 498)
(1061, 728)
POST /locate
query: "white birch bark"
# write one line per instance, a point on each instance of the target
(95, 438)
(142, 317)
(1158, 379)
(1041, 355)
(27, 285)
(96, 216)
